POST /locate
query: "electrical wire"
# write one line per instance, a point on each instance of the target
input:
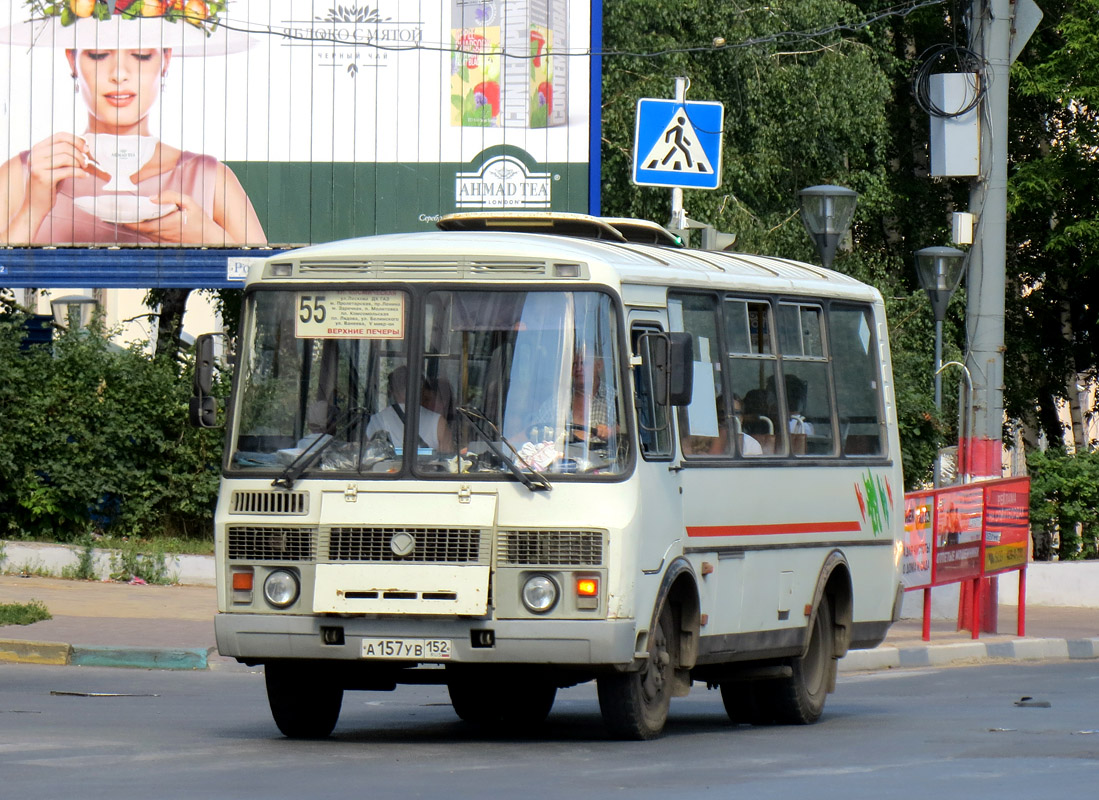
(932, 61)
(782, 38)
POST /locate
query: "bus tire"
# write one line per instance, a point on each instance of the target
(745, 701)
(303, 703)
(492, 701)
(799, 699)
(635, 704)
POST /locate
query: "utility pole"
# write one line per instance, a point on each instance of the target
(990, 27)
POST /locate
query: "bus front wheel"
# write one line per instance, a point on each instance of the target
(303, 704)
(635, 704)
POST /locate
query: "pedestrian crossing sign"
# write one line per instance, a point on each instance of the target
(678, 144)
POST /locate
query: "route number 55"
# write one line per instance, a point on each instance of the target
(312, 309)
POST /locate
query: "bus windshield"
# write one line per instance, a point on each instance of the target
(506, 382)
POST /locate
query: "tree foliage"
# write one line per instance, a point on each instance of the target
(96, 439)
(838, 107)
(834, 109)
(1064, 500)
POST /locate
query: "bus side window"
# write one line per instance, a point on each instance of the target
(654, 430)
(858, 382)
(805, 385)
(752, 364)
(704, 425)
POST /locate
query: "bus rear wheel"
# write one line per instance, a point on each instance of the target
(491, 700)
(303, 703)
(794, 700)
(635, 704)
(799, 699)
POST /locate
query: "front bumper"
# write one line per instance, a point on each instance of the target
(265, 637)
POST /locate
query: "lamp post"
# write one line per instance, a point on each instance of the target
(939, 270)
(827, 212)
(73, 311)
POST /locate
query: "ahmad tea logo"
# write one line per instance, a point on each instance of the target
(502, 182)
(361, 35)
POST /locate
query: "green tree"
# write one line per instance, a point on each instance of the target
(96, 438)
(799, 110)
(1053, 249)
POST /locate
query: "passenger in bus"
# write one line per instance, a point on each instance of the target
(433, 429)
(757, 420)
(797, 391)
(749, 445)
(719, 445)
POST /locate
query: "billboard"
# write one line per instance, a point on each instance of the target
(1007, 525)
(185, 125)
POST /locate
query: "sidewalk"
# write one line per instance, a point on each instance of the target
(172, 627)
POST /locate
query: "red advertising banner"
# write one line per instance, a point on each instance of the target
(919, 513)
(1007, 517)
(965, 532)
(958, 514)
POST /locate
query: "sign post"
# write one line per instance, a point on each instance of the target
(677, 144)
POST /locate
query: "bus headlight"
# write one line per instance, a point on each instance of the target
(280, 588)
(539, 594)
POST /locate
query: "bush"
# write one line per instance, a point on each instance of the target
(97, 440)
(1064, 499)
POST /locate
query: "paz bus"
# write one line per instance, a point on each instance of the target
(527, 451)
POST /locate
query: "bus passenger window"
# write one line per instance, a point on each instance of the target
(805, 383)
(752, 363)
(704, 424)
(858, 383)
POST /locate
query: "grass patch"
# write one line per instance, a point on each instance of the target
(134, 560)
(23, 613)
(33, 569)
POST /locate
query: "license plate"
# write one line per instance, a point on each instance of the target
(411, 649)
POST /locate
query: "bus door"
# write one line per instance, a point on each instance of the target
(658, 485)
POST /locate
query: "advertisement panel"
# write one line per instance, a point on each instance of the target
(1007, 525)
(187, 124)
(919, 515)
(958, 534)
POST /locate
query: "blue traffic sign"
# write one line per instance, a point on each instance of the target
(678, 144)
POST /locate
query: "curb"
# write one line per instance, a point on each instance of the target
(883, 658)
(139, 657)
(19, 651)
(22, 651)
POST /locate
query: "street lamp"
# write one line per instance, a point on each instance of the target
(939, 270)
(73, 311)
(827, 212)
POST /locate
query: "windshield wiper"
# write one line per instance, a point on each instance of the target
(303, 461)
(476, 418)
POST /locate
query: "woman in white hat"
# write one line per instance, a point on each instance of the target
(116, 183)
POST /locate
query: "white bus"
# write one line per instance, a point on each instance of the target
(626, 462)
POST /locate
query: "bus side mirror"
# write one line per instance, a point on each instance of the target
(681, 369)
(204, 405)
(672, 368)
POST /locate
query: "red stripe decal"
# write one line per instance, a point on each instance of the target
(779, 529)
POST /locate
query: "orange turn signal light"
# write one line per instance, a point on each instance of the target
(587, 587)
(242, 581)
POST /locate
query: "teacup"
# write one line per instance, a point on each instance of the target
(121, 157)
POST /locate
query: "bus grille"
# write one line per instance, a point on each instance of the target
(551, 548)
(423, 545)
(249, 502)
(254, 543)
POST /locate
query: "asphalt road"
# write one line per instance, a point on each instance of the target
(939, 733)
